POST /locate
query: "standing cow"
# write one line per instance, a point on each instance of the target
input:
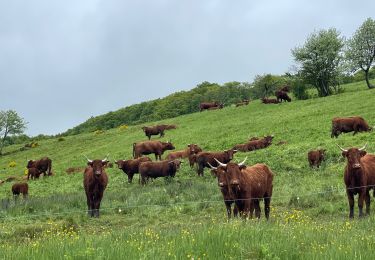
(315, 157)
(44, 165)
(203, 159)
(359, 177)
(249, 185)
(20, 188)
(155, 130)
(95, 181)
(131, 167)
(348, 124)
(282, 96)
(154, 170)
(149, 147)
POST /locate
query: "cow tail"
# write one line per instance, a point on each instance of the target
(134, 150)
(49, 168)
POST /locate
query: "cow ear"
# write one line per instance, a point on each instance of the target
(89, 163)
(344, 154)
(242, 167)
(362, 153)
(214, 172)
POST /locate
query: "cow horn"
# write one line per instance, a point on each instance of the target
(363, 148)
(220, 163)
(342, 149)
(212, 167)
(90, 161)
(105, 159)
(243, 162)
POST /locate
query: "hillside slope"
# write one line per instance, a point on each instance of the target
(184, 211)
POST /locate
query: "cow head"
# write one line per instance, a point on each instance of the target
(119, 163)
(233, 170)
(144, 128)
(167, 146)
(322, 152)
(174, 166)
(97, 165)
(230, 153)
(353, 156)
(194, 148)
(30, 164)
(268, 139)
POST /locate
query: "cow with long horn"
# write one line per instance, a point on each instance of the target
(95, 181)
(359, 177)
(248, 185)
(203, 158)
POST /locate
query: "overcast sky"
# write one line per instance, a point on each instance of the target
(64, 61)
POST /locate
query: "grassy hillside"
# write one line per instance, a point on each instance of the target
(185, 217)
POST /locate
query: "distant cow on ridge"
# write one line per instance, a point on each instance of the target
(349, 124)
(210, 106)
(158, 129)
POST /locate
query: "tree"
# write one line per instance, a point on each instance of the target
(360, 52)
(319, 60)
(10, 124)
(265, 85)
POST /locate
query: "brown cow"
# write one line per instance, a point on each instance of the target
(244, 102)
(191, 149)
(34, 173)
(203, 158)
(19, 188)
(359, 177)
(349, 124)
(254, 144)
(249, 185)
(316, 157)
(149, 147)
(210, 105)
(95, 181)
(44, 165)
(282, 96)
(131, 167)
(155, 130)
(158, 169)
(269, 101)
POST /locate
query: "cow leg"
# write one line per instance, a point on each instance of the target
(257, 208)
(130, 177)
(143, 179)
(235, 210)
(161, 134)
(368, 201)
(97, 203)
(351, 203)
(200, 170)
(228, 207)
(361, 198)
(89, 209)
(267, 209)
(149, 137)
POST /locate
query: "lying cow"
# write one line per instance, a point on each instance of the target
(156, 130)
(359, 177)
(254, 144)
(191, 149)
(149, 147)
(44, 165)
(158, 169)
(20, 188)
(249, 184)
(349, 124)
(315, 157)
(131, 167)
(210, 106)
(269, 101)
(282, 96)
(203, 159)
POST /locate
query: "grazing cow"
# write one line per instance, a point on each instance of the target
(269, 101)
(244, 102)
(254, 144)
(34, 173)
(44, 165)
(95, 181)
(359, 177)
(210, 105)
(223, 183)
(282, 95)
(203, 159)
(19, 188)
(249, 185)
(158, 169)
(131, 167)
(349, 124)
(149, 147)
(316, 157)
(191, 149)
(155, 130)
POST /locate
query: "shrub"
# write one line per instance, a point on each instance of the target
(98, 132)
(123, 127)
(34, 144)
(12, 164)
(61, 139)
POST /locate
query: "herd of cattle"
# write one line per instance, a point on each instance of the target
(241, 185)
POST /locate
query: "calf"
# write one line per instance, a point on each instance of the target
(316, 157)
(359, 177)
(19, 188)
(95, 181)
(149, 147)
(131, 167)
(203, 159)
(158, 169)
(34, 173)
(44, 165)
(249, 185)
